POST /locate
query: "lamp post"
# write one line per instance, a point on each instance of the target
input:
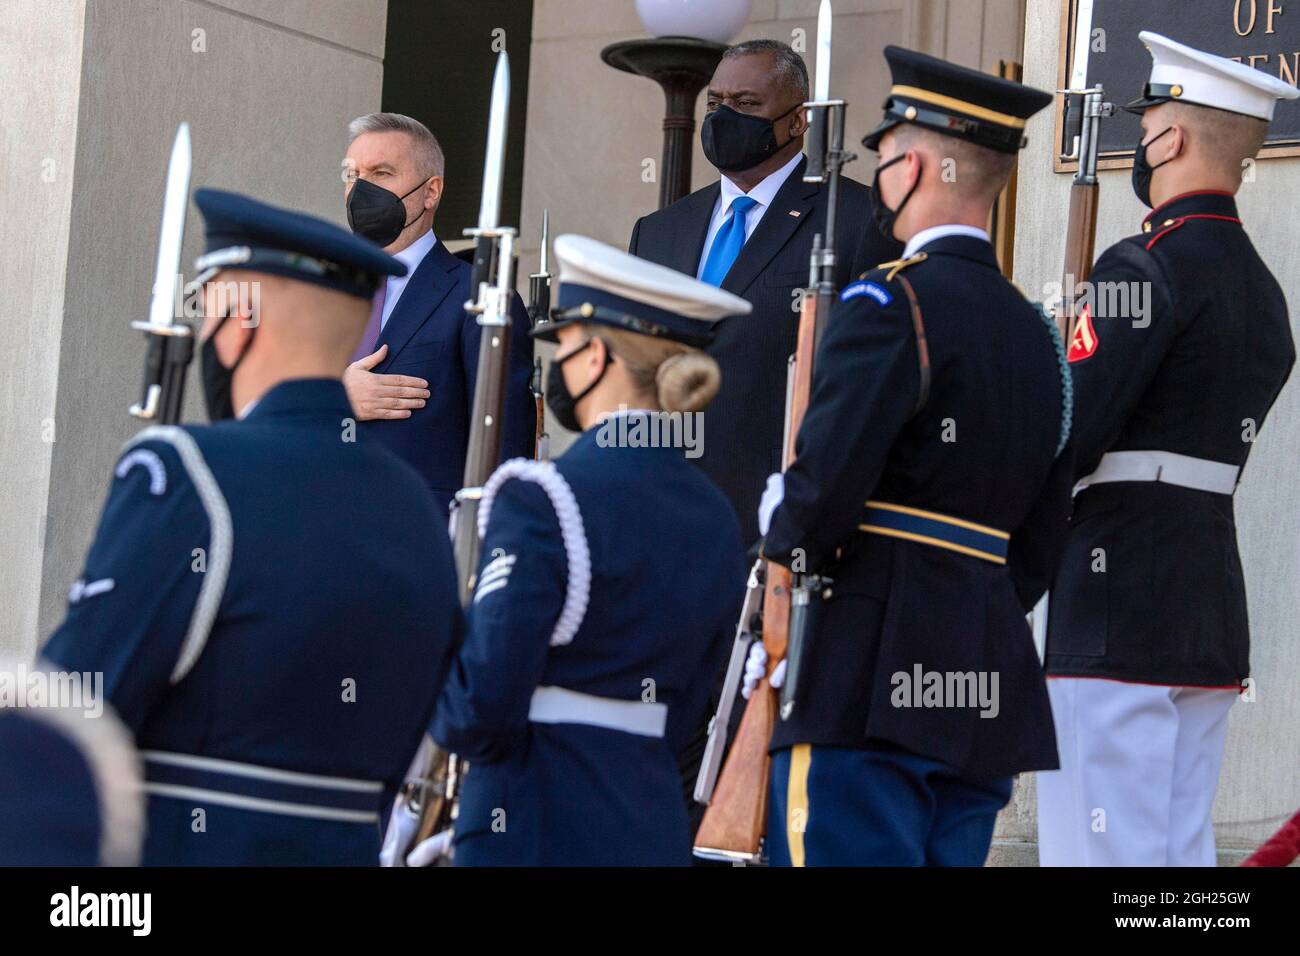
(681, 66)
(688, 42)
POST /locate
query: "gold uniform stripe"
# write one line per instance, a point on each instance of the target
(935, 516)
(936, 542)
(951, 103)
(796, 798)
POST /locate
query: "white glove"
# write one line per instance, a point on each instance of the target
(771, 500)
(402, 823)
(429, 852)
(756, 667)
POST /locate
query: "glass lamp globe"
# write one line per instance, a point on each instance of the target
(716, 20)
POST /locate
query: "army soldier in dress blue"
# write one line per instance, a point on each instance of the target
(931, 480)
(1148, 639)
(272, 603)
(607, 589)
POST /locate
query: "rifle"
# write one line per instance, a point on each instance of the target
(735, 822)
(433, 798)
(170, 342)
(1084, 111)
(539, 311)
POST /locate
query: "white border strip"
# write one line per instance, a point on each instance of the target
(256, 772)
(219, 547)
(201, 795)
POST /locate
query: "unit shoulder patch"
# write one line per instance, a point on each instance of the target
(867, 288)
(1083, 344)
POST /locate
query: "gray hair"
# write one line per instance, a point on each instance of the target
(788, 67)
(426, 149)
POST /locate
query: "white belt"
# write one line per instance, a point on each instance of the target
(1167, 467)
(556, 705)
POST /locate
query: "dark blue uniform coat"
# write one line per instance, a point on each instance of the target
(1195, 376)
(267, 593)
(982, 449)
(665, 553)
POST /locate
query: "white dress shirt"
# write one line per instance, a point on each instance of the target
(411, 257)
(927, 236)
(762, 194)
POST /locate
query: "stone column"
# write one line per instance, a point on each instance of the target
(268, 88)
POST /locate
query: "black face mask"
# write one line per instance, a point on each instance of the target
(882, 214)
(217, 379)
(376, 213)
(562, 403)
(735, 141)
(1143, 171)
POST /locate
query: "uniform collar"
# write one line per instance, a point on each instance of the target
(968, 242)
(927, 236)
(324, 396)
(1210, 202)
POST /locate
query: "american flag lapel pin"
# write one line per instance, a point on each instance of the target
(795, 213)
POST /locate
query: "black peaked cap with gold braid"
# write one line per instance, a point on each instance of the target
(956, 101)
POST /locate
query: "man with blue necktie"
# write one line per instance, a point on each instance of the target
(411, 381)
(751, 233)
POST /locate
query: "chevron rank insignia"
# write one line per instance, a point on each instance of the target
(1084, 341)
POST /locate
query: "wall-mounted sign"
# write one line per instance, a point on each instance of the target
(1099, 44)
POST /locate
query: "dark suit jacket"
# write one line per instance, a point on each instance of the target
(431, 336)
(742, 426)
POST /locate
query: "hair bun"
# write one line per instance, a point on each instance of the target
(687, 381)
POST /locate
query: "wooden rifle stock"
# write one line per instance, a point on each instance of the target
(1080, 240)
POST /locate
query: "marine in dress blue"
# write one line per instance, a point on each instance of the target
(272, 606)
(604, 599)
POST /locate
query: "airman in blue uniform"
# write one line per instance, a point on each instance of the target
(606, 590)
(929, 491)
(271, 602)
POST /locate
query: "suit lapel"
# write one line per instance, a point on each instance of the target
(790, 208)
(424, 292)
(685, 255)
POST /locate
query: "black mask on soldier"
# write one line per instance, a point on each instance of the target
(1143, 171)
(377, 213)
(562, 403)
(218, 380)
(735, 141)
(884, 216)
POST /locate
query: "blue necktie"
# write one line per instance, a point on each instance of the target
(728, 242)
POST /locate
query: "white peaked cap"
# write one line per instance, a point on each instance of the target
(594, 265)
(1183, 74)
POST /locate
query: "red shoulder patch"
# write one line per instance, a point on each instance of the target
(1084, 341)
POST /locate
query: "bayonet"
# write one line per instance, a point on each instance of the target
(171, 342)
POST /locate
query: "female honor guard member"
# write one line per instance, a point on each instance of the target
(1148, 639)
(272, 603)
(927, 485)
(607, 588)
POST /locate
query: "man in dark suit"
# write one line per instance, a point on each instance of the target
(411, 382)
(752, 233)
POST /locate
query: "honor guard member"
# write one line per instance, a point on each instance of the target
(271, 602)
(70, 790)
(606, 592)
(1148, 639)
(927, 490)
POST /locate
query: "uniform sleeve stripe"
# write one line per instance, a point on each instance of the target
(213, 587)
(544, 473)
